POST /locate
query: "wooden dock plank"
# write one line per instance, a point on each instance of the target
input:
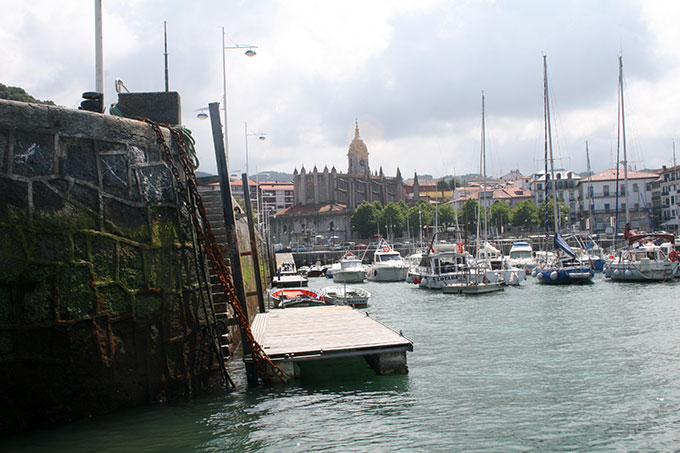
(322, 330)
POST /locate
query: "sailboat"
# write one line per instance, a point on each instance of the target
(646, 257)
(564, 267)
(489, 259)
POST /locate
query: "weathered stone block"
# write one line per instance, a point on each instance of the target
(156, 184)
(104, 258)
(146, 304)
(164, 225)
(52, 247)
(36, 303)
(128, 221)
(77, 297)
(14, 196)
(45, 199)
(131, 267)
(13, 257)
(80, 159)
(114, 169)
(115, 300)
(86, 196)
(162, 268)
(33, 154)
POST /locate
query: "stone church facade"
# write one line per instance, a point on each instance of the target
(325, 200)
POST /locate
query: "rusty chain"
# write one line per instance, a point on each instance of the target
(205, 234)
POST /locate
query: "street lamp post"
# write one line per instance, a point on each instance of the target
(261, 137)
(250, 53)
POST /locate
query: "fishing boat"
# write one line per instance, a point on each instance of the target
(315, 270)
(296, 297)
(442, 265)
(342, 295)
(388, 265)
(564, 267)
(349, 269)
(648, 257)
(522, 256)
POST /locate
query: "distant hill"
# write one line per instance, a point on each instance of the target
(19, 94)
(269, 176)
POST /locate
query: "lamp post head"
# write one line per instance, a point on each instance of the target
(202, 116)
(250, 53)
(262, 137)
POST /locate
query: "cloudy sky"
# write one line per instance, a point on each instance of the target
(411, 72)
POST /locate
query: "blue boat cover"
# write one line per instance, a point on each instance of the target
(560, 243)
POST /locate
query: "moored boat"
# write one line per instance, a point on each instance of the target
(295, 297)
(648, 257)
(342, 295)
(388, 265)
(349, 269)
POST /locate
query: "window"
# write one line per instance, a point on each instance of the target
(606, 207)
(623, 190)
(623, 206)
(635, 188)
(539, 186)
(605, 191)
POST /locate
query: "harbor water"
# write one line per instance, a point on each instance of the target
(543, 368)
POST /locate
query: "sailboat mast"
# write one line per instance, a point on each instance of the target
(482, 169)
(623, 136)
(548, 140)
(591, 207)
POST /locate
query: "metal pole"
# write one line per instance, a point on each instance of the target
(230, 226)
(247, 172)
(165, 38)
(253, 247)
(224, 105)
(98, 48)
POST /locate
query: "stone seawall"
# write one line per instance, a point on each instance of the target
(100, 305)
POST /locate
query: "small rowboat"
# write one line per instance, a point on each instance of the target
(341, 295)
(296, 297)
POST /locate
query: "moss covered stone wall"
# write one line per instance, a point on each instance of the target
(100, 306)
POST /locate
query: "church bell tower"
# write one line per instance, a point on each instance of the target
(358, 155)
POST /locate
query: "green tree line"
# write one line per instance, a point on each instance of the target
(19, 94)
(373, 218)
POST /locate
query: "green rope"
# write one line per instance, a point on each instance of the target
(186, 132)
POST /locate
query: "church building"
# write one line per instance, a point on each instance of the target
(325, 200)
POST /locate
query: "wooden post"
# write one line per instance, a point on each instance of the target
(253, 243)
(230, 225)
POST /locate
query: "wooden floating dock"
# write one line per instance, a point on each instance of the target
(287, 279)
(294, 335)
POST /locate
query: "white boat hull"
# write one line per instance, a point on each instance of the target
(353, 276)
(387, 273)
(642, 272)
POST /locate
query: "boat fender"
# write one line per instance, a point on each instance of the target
(375, 273)
(553, 275)
(673, 255)
(460, 247)
(538, 275)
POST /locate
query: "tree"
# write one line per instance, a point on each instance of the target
(499, 215)
(447, 215)
(442, 186)
(421, 214)
(524, 215)
(468, 215)
(393, 217)
(19, 94)
(453, 183)
(563, 213)
(364, 219)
